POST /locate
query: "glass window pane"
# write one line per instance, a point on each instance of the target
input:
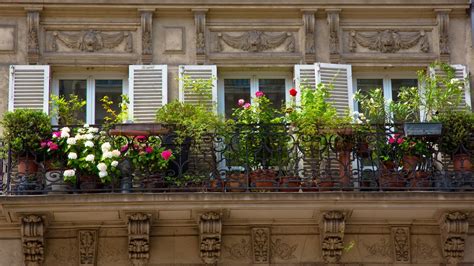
(274, 89)
(74, 87)
(235, 89)
(397, 84)
(110, 88)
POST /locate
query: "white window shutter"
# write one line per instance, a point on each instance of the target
(195, 72)
(304, 76)
(340, 77)
(29, 87)
(148, 91)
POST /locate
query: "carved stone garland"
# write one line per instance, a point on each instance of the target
(332, 235)
(257, 41)
(443, 29)
(146, 20)
(454, 227)
(92, 40)
(87, 247)
(401, 244)
(261, 245)
(388, 41)
(210, 235)
(32, 236)
(33, 19)
(139, 238)
(309, 30)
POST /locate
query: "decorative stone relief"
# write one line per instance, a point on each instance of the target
(401, 244)
(333, 21)
(210, 234)
(257, 41)
(282, 250)
(309, 30)
(146, 21)
(332, 229)
(33, 21)
(388, 41)
(9, 38)
(443, 29)
(380, 248)
(32, 236)
(87, 247)
(261, 245)
(454, 227)
(139, 238)
(237, 251)
(92, 40)
(424, 251)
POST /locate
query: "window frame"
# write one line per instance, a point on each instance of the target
(90, 87)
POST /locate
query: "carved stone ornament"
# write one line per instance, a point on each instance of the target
(261, 245)
(92, 40)
(401, 244)
(388, 41)
(333, 22)
(32, 236)
(200, 24)
(87, 247)
(238, 251)
(454, 227)
(139, 238)
(309, 29)
(257, 41)
(332, 235)
(443, 29)
(282, 250)
(33, 18)
(146, 21)
(210, 235)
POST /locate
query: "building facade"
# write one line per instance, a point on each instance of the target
(142, 48)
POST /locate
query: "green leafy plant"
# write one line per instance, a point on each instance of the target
(457, 129)
(147, 154)
(66, 111)
(112, 116)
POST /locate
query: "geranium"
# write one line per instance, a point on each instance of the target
(293, 92)
(247, 106)
(241, 102)
(145, 154)
(56, 134)
(148, 149)
(259, 94)
(166, 154)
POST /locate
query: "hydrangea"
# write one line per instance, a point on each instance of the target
(64, 134)
(105, 147)
(116, 153)
(65, 129)
(103, 174)
(93, 130)
(89, 136)
(107, 154)
(90, 158)
(89, 143)
(71, 141)
(102, 167)
(72, 156)
(114, 164)
(86, 125)
(69, 173)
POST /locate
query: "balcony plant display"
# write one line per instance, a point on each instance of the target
(23, 131)
(66, 110)
(458, 126)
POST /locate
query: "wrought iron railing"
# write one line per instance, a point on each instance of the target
(254, 158)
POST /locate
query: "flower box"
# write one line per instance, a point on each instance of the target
(139, 129)
(423, 129)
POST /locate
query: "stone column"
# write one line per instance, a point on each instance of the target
(200, 25)
(442, 16)
(146, 21)
(32, 237)
(334, 41)
(33, 22)
(309, 24)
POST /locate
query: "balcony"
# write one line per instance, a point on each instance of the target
(273, 158)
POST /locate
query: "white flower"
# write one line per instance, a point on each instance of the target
(452, 81)
(69, 172)
(65, 129)
(82, 130)
(89, 143)
(116, 153)
(105, 147)
(86, 125)
(103, 174)
(64, 134)
(107, 154)
(93, 130)
(79, 137)
(102, 167)
(90, 158)
(71, 141)
(114, 164)
(72, 156)
(89, 136)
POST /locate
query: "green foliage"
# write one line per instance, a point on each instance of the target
(67, 111)
(24, 129)
(145, 154)
(112, 116)
(457, 127)
(373, 106)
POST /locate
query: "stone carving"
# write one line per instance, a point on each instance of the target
(401, 244)
(87, 247)
(92, 40)
(332, 235)
(139, 238)
(33, 17)
(257, 41)
(443, 29)
(424, 251)
(237, 251)
(381, 248)
(309, 29)
(388, 41)
(454, 227)
(261, 245)
(333, 21)
(32, 236)
(200, 24)
(283, 251)
(210, 234)
(146, 21)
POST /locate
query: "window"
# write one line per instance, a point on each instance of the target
(236, 86)
(92, 89)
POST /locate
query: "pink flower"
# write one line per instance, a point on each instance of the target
(247, 106)
(141, 138)
(44, 144)
(53, 147)
(56, 134)
(124, 148)
(400, 140)
(166, 154)
(149, 150)
(241, 102)
(293, 92)
(391, 140)
(259, 94)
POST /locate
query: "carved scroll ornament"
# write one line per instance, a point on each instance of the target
(87, 247)
(388, 41)
(454, 227)
(139, 238)
(210, 230)
(257, 41)
(332, 235)
(261, 245)
(93, 40)
(401, 244)
(32, 233)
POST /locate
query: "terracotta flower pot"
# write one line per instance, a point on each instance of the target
(390, 177)
(345, 168)
(236, 183)
(263, 178)
(409, 162)
(289, 184)
(27, 166)
(462, 162)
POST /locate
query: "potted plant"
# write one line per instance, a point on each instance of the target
(66, 110)
(458, 126)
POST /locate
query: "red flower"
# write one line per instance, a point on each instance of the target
(53, 147)
(166, 154)
(400, 140)
(56, 134)
(148, 149)
(124, 148)
(44, 144)
(141, 138)
(259, 94)
(391, 140)
(293, 92)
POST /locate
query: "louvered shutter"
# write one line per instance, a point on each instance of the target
(148, 91)
(340, 76)
(461, 73)
(29, 87)
(198, 72)
(304, 78)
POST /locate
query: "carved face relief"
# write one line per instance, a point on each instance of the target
(90, 41)
(387, 41)
(255, 40)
